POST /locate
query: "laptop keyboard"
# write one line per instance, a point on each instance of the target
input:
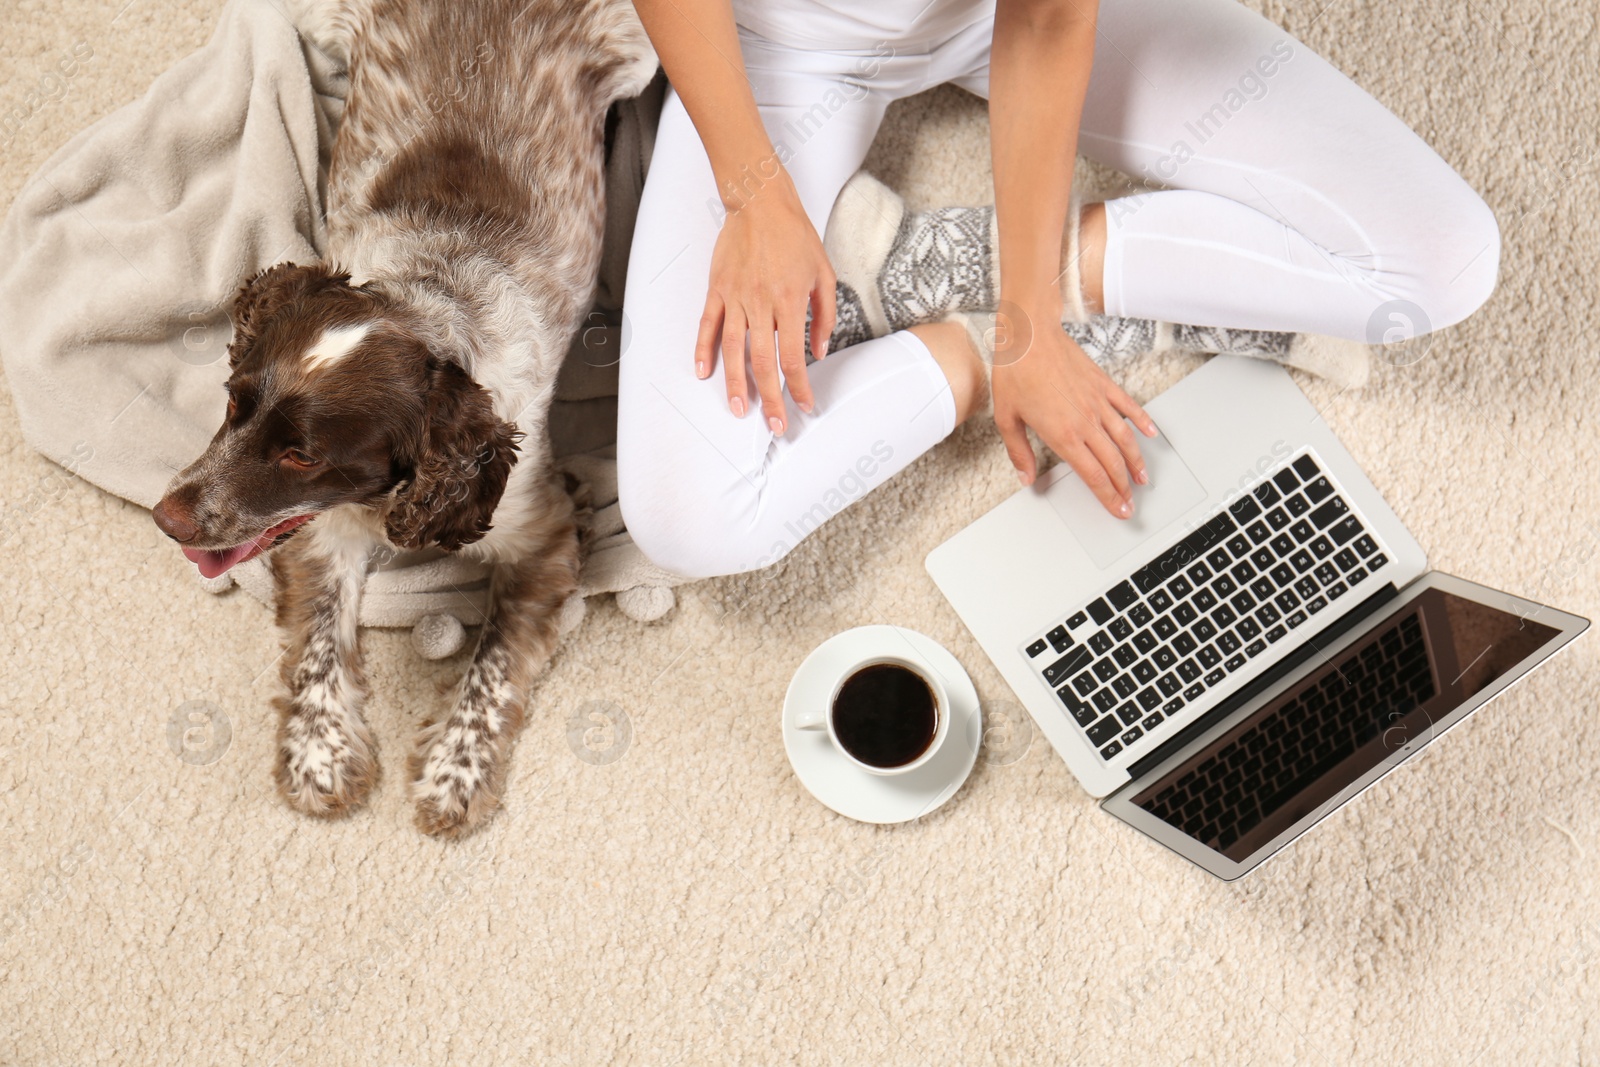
(1279, 756)
(1182, 624)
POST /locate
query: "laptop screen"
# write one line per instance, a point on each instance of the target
(1304, 747)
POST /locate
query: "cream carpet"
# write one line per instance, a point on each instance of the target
(676, 896)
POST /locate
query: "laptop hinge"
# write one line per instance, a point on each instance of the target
(1268, 678)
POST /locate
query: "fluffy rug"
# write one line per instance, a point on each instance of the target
(661, 888)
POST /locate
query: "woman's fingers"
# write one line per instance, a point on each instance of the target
(1121, 435)
(733, 330)
(1091, 468)
(764, 367)
(824, 313)
(792, 357)
(1126, 406)
(1113, 466)
(705, 343)
(1015, 435)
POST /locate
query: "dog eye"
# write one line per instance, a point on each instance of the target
(296, 458)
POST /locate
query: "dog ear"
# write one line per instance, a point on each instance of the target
(268, 293)
(461, 466)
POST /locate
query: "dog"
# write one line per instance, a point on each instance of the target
(396, 395)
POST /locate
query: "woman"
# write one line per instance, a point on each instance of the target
(1298, 202)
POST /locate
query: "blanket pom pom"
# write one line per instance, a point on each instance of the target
(646, 603)
(438, 636)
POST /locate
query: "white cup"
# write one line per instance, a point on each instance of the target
(822, 718)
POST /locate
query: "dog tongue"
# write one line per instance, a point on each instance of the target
(215, 562)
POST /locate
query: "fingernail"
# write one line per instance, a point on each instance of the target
(737, 404)
(776, 424)
(1125, 509)
(805, 407)
(1143, 478)
(700, 369)
(1153, 431)
(822, 350)
(1022, 476)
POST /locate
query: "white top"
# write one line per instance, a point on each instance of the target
(856, 25)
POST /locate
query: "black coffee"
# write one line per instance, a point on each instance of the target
(885, 715)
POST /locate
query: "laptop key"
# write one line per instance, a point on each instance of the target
(1302, 561)
(1224, 586)
(1164, 657)
(1229, 642)
(1316, 604)
(1165, 627)
(1239, 546)
(1244, 509)
(1085, 684)
(1322, 548)
(1317, 490)
(1125, 655)
(1122, 595)
(1144, 641)
(1141, 615)
(1105, 700)
(1104, 730)
(1111, 750)
(1189, 670)
(1184, 644)
(1295, 619)
(1081, 713)
(1307, 587)
(1327, 573)
(1377, 562)
(1223, 616)
(1267, 494)
(1344, 529)
(1255, 648)
(1219, 559)
(1145, 671)
(1277, 632)
(1105, 670)
(1160, 601)
(1077, 620)
(1337, 590)
(1199, 574)
(1129, 713)
(1209, 656)
(1258, 532)
(1277, 518)
(1172, 707)
(1216, 676)
(1121, 629)
(1068, 665)
(1100, 611)
(1168, 684)
(1243, 602)
(1266, 615)
(1185, 614)
(1302, 531)
(1345, 559)
(1297, 505)
(1133, 734)
(1101, 643)
(1285, 480)
(1286, 600)
(1205, 600)
(1263, 558)
(1179, 587)
(1248, 628)
(1149, 697)
(1124, 685)
(1235, 662)
(1151, 721)
(1356, 576)
(1306, 467)
(1366, 545)
(1205, 630)
(1242, 572)
(1038, 647)
(1262, 588)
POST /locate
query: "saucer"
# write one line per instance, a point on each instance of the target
(843, 786)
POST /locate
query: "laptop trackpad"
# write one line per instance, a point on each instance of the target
(1172, 491)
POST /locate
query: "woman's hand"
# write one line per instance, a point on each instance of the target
(1042, 379)
(767, 269)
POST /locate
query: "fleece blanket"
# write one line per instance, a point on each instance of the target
(123, 253)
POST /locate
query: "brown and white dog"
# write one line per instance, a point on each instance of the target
(396, 396)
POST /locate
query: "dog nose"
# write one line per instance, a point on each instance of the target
(173, 524)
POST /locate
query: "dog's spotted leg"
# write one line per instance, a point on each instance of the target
(458, 765)
(325, 764)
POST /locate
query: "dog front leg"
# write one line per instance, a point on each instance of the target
(325, 763)
(458, 765)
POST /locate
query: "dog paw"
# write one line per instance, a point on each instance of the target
(454, 780)
(323, 768)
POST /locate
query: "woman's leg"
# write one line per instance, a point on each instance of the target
(1299, 202)
(704, 493)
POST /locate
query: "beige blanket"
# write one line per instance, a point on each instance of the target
(122, 254)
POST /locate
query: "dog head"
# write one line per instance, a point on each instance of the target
(334, 398)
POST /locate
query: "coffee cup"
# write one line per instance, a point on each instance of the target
(887, 714)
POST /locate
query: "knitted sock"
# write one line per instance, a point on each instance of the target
(897, 268)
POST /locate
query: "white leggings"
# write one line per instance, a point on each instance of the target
(1297, 203)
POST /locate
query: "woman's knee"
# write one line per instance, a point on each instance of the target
(679, 525)
(1458, 259)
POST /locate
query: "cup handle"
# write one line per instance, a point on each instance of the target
(815, 719)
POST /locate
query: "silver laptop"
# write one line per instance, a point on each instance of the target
(1261, 642)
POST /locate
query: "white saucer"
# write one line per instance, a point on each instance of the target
(848, 789)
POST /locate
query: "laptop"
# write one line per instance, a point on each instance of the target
(1260, 643)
